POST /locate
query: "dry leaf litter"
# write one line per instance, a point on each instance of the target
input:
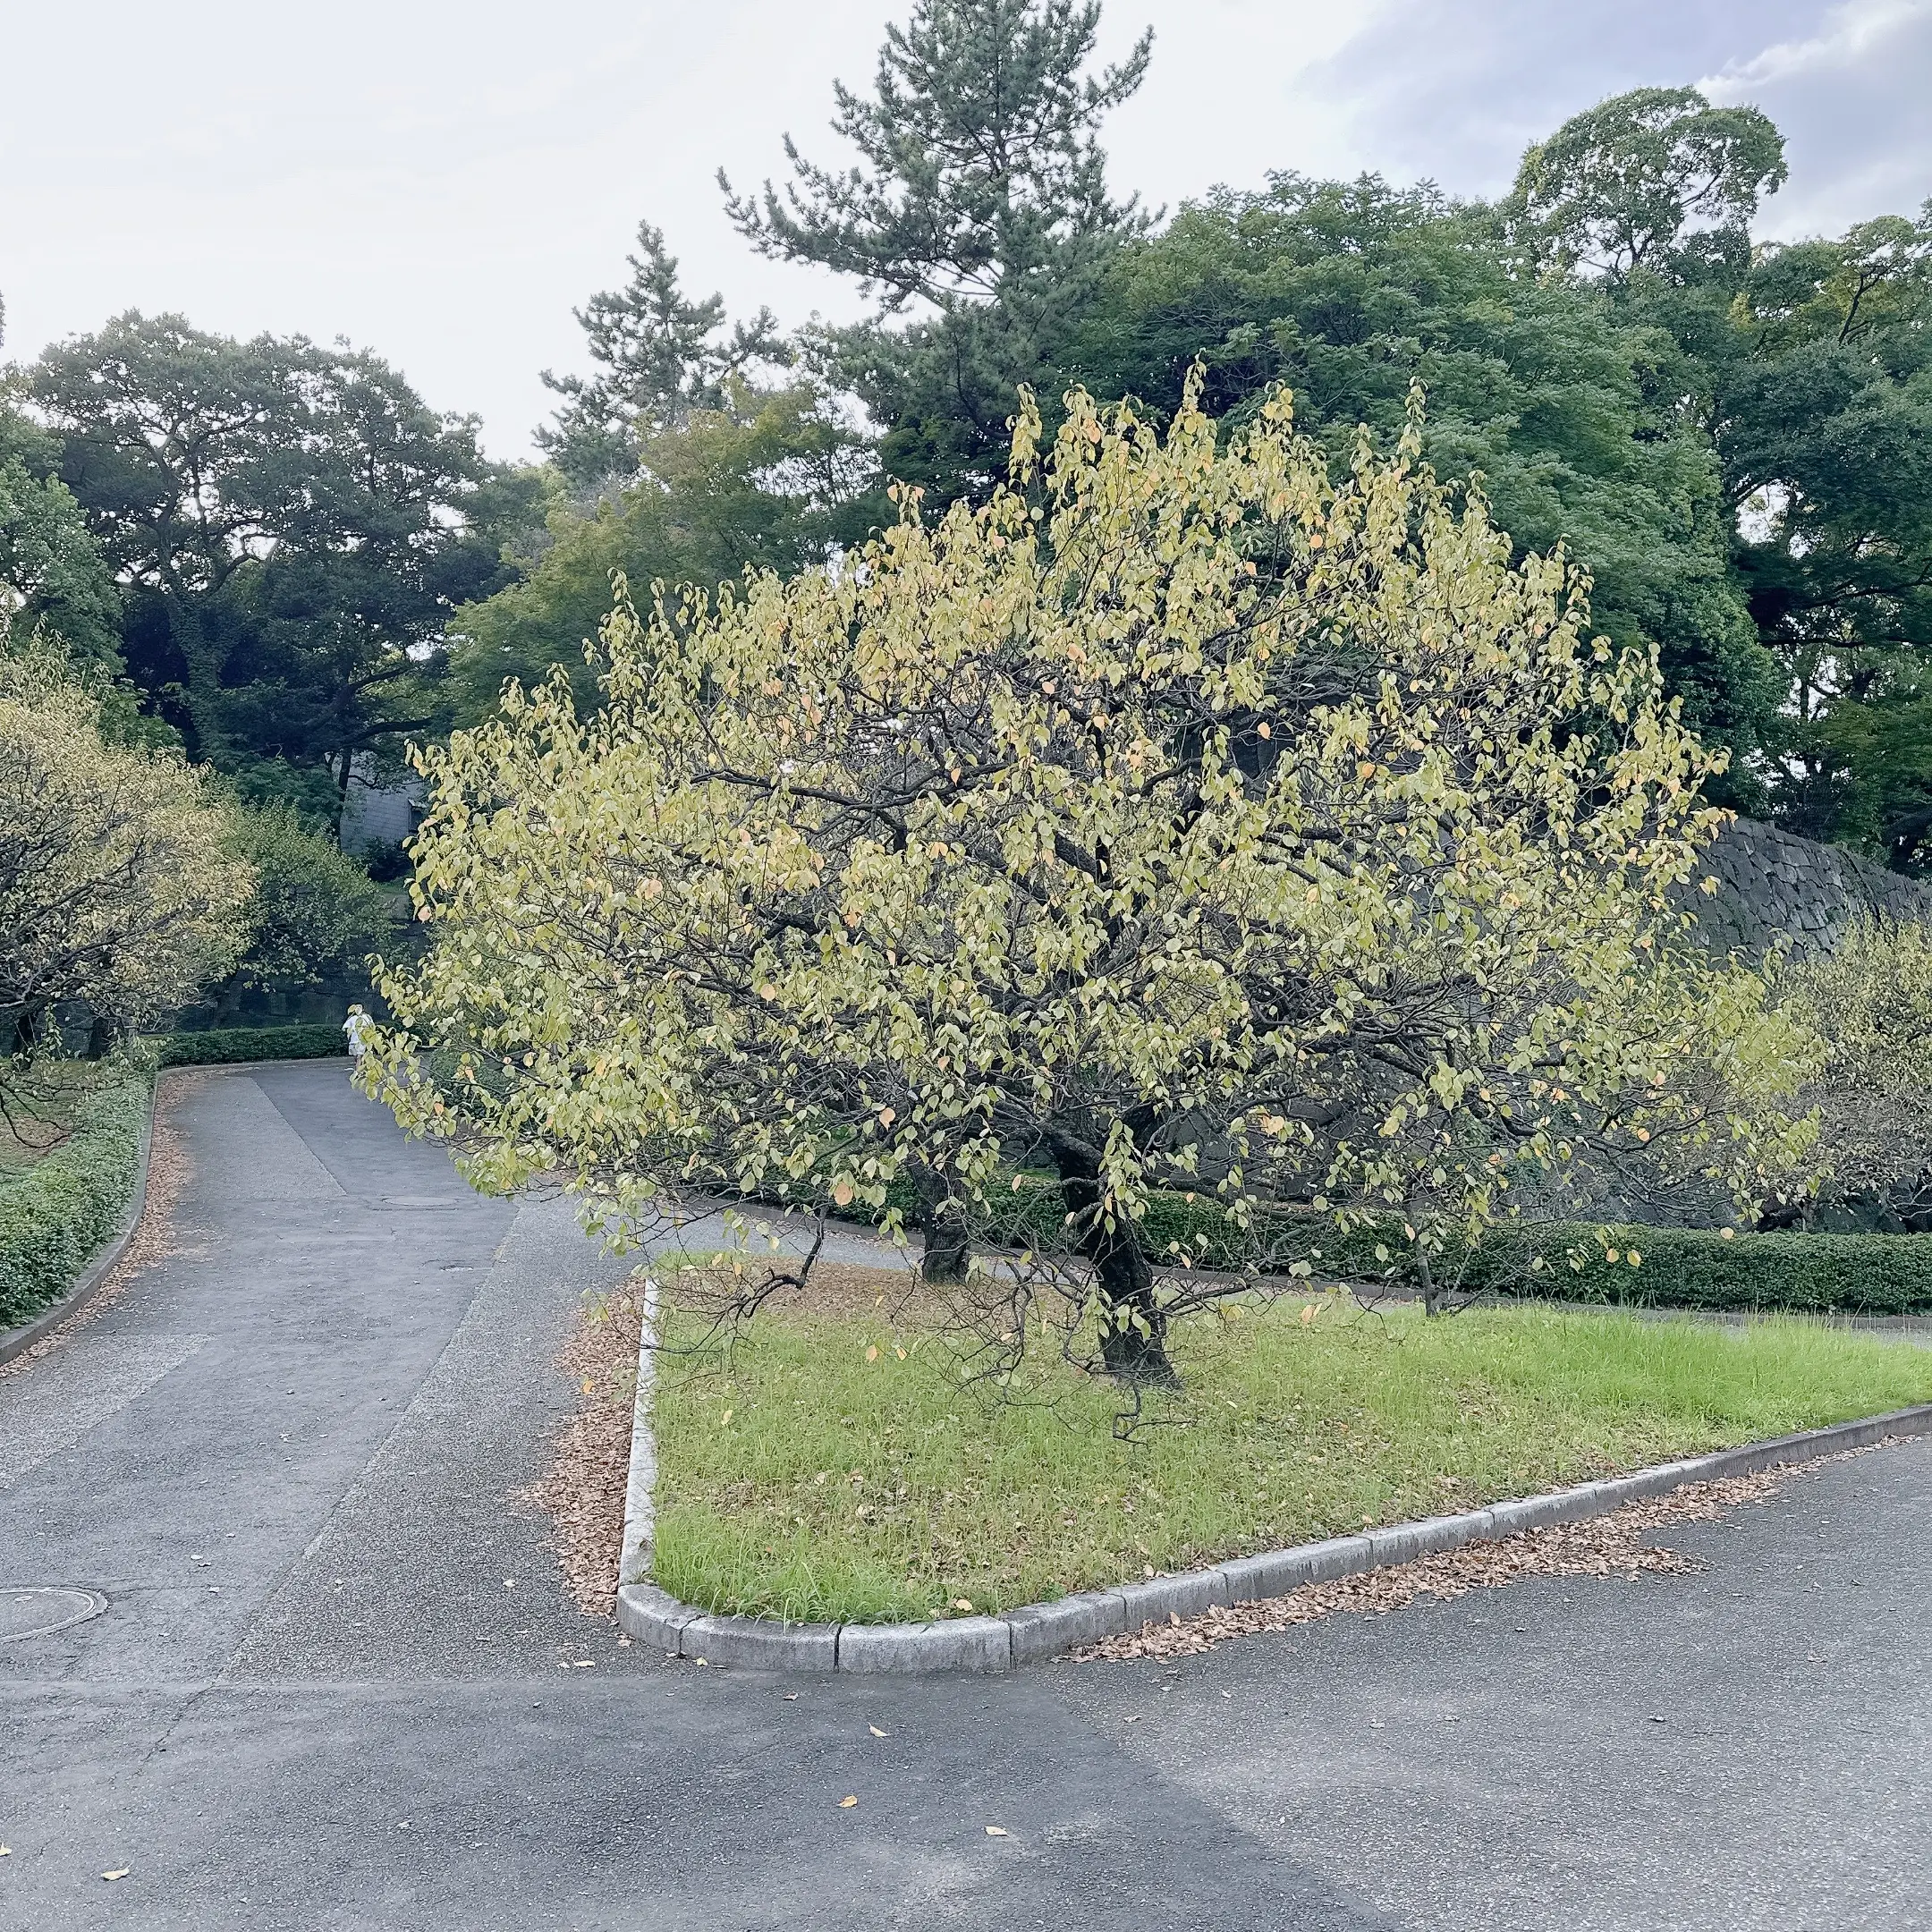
(583, 1489)
(1603, 1546)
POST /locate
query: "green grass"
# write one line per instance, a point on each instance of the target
(42, 1123)
(798, 1479)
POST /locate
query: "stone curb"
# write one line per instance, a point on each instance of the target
(17, 1340)
(987, 1644)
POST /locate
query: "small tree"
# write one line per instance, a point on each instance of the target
(1869, 998)
(1177, 819)
(118, 888)
(314, 913)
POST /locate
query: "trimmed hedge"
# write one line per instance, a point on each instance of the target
(1677, 1267)
(1698, 1268)
(228, 1045)
(56, 1214)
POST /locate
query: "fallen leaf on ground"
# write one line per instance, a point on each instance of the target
(1599, 1546)
(875, 1730)
(845, 1804)
(584, 1491)
(997, 1831)
(123, 1873)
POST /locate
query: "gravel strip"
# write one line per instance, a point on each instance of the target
(583, 1490)
(1601, 1546)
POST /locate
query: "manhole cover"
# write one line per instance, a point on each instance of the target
(34, 1613)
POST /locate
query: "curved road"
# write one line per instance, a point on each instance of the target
(339, 1684)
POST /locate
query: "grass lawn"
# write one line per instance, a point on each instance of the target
(833, 1467)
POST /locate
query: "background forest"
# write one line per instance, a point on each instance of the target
(275, 556)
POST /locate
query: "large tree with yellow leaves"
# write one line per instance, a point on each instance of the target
(1178, 818)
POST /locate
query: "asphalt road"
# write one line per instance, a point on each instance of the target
(338, 1683)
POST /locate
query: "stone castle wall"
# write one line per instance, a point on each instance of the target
(1772, 885)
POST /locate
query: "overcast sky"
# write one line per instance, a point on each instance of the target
(441, 182)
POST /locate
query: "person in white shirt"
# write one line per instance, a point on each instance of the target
(358, 1027)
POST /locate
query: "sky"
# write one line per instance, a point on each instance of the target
(442, 182)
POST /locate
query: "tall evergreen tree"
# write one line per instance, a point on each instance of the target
(979, 218)
(1805, 369)
(658, 355)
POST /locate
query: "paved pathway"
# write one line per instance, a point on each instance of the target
(336, 1684)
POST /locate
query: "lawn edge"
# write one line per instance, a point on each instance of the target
(983, 1645)
(18, 1340)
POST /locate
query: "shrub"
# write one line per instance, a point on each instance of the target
(1698, 1268)
(56, 1214)
(226, 1046)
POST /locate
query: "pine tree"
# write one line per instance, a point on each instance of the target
(979, 212)
(659, 356)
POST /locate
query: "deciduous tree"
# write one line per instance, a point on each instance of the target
(119, 887)
(1183, 817)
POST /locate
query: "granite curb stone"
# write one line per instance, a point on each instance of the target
(980, 1644)
(1044, 1630)
(758, 1643)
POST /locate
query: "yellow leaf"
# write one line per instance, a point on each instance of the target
(887, 1115)
(843, 1193)
(875, 1730)
(997, 1831)
(767, 991)
(120, 1873)
(845, 1804)
(872, 1351)
(962, 1603)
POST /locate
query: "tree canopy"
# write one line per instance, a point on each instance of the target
(980, 211)
(1183, 815)
(1349, 292)
(118, 886)
(659, 356)
(291, 527)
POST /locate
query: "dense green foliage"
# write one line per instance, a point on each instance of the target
(316, 913)
(1732, 436)
(229, 1046)
(1698, 1268)
(291, 528)
(120, 889)
(55, 1213)
(1182, 807)
(979, 211)
(1348, 293)
(831, 1466)
(767, 480)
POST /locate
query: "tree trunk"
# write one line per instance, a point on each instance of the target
(1431, 1294)
(100, 1037)
(942, 1220)
(1133, 1331)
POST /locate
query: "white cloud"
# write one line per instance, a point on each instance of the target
(1852, 99)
